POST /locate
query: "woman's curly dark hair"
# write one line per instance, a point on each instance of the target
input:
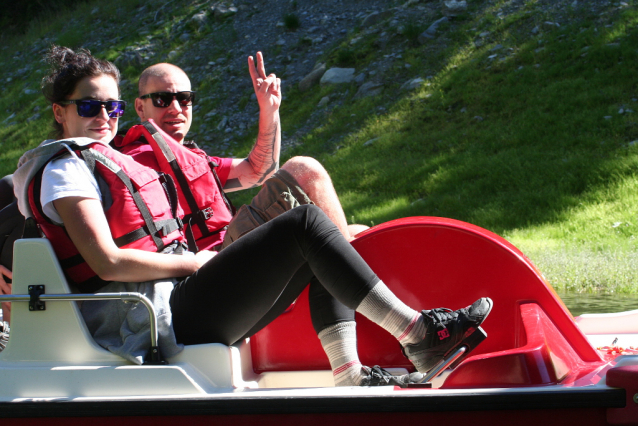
(68, 67)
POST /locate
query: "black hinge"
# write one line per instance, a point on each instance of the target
(35, 304)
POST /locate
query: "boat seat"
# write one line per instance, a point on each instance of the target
(58, 333)
(58, 336)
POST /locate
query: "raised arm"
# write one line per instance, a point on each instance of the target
(263, 159)
(87, 226)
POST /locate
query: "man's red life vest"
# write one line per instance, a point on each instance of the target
(206, 208)
(141, 214)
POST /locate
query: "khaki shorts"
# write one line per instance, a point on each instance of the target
(279, 194)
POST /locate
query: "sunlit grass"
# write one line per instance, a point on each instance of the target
(528, 134)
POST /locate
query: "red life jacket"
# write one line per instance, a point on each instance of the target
(207, 210)
(141, 216)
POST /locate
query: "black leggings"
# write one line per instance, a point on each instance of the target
(249, 283)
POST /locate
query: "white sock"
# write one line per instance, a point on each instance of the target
(339, 341)
(382, 307)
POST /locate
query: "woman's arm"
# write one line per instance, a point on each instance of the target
(87, 226)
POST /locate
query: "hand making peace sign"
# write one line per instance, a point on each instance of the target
(267, 88)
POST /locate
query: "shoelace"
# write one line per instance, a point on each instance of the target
(378, 374)
(441, 316)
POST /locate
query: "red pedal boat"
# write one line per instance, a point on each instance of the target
(538, 365)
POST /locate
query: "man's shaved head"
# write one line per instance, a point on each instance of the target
(160, 71)
(175, 119)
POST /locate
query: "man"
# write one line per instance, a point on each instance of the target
(302, 179)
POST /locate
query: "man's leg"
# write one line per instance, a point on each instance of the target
(315, 181)
(301, 180)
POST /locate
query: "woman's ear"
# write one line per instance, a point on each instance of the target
(59, 113)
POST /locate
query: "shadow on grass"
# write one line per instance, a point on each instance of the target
(503, 142)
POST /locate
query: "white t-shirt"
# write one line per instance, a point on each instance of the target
(67, 176)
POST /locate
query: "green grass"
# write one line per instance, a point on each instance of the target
(529, 144)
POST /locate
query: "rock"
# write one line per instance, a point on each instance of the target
(337, 76)
(430, 33)
(323, 102)
(409, 3)
(222, 123)
(376, 17)
(200, 19)
(313, 78)
(222, 12)
(454, 7)
(184, 37)
(412, 84)
(34, 117)
(172, 54)
(127, 59)
(370, 142)
(360, 78)
(370, 88)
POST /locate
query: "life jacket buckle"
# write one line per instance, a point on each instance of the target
(206, 213)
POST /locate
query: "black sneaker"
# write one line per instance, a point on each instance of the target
(377, 376)
(447, 330)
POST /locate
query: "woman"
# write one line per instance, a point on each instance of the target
(222, 297)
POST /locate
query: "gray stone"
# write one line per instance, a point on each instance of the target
(430, 33)
(454, 7)
(184, 37)
(410, 3)
(376, 17)
(370, 142)
(337, 76)
(222, 123)
(360, 78)
(200, 19)
(222, 12)
(313, 78)
(126, 59)
(323, 102)
(412, 84)
(370, 88)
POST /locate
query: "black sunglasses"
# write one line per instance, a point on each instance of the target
(164, 99)
(91, 108)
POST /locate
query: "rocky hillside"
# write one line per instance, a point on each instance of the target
(212, 39)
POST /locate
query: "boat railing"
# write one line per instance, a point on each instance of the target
(37, 297)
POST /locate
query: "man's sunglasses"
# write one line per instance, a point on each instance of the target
(164, 99)
(90, 108)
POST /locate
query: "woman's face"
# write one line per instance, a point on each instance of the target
(102, 88)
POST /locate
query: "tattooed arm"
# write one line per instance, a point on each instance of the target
(263, 159)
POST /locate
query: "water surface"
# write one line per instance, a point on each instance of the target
(599, 303)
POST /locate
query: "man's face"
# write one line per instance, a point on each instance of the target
(175, 119)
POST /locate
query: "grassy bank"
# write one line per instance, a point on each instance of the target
(521, 126)
(530, 135)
